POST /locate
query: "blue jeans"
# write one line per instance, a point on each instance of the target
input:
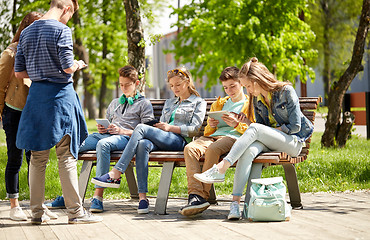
(10, 120)
(143, 140)
(258, 138)
(103, 144)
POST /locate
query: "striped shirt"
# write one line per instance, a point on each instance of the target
(45, 48)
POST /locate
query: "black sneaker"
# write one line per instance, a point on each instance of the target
(143, 206)
(36, 221)
(196, 204)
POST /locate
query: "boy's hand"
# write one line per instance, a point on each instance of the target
(213, 122)
(164, 126)
(231, 119)
(80, 63)
(114, 129)
(101, 129)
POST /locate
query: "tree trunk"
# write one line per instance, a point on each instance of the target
(303, 85)
(326, 46)
(81, 53)
(339, 88)
(14, 26)
(344, 131)
(103, 87)
(135, 39)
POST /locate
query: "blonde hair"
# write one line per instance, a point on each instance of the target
(257, 72)
(184, 75)
(62, 3)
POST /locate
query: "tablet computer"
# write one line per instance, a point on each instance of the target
(217, 115)
(103, 121)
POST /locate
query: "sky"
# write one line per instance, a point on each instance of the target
(164, 22)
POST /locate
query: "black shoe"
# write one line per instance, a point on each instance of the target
(196, 204)
(36, 221)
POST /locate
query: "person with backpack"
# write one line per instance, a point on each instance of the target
(280, 126)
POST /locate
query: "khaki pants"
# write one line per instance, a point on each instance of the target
(68, 178)
(212, 148)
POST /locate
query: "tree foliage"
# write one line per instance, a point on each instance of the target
(220, 33)
(104, 19)
(10, 19)
(334, 25)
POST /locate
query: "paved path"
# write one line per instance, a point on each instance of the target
(325, 216)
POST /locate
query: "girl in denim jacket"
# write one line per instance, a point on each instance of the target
(181, 119)
(280, 126)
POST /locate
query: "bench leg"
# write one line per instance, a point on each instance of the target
(131, 182)
(256, 171)
(164, 188)
(83, 180)
(293, 188)
(212, 195)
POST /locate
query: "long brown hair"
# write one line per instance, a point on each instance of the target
(185, 75)
(257, 72)
(26, 21)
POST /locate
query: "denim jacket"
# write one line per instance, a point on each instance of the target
(189, 114)
(287, 113)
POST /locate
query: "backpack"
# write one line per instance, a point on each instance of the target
(267, 202)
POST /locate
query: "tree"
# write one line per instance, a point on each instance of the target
(82, 54)
(339, 88)
(135, 39)
(333, 21)
(217, 34)
(12, 13)
(104, 36)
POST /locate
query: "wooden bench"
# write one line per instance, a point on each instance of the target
(170, 159)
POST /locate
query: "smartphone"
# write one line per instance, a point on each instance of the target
(152, 122)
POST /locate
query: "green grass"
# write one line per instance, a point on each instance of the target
(324, 170)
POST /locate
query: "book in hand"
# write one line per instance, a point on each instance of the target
(152, 122)
(102, 121)
(218, 116)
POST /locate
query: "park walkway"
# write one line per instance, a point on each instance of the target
(325, 216)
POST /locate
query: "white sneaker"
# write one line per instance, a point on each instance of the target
(17, 214)
(45, 218)
(234, 213)
(212, 175)
(86, 218)
(49, 213)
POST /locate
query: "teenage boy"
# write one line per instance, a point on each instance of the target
(52, 115)
(124, 114)
(217, 140)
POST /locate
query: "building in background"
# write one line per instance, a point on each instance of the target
(161, 63)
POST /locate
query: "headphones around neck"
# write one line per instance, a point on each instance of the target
(130, 100)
